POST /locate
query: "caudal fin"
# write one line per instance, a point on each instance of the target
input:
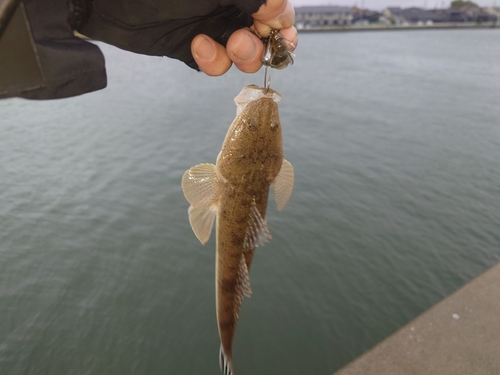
(225, 363)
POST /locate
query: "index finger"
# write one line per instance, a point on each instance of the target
(276, 14)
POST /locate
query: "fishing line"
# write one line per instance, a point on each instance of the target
(267, 80)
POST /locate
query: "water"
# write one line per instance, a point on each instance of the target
(395, 140)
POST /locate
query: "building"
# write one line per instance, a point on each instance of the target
(322, 17)
(419, 16)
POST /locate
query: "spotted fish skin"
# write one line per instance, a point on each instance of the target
(235, 192)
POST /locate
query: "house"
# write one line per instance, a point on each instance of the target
(364, 16)
(393, 14)
(493, 10)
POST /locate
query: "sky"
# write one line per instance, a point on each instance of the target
(381, 4)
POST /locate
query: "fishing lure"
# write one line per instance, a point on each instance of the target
(277, 53)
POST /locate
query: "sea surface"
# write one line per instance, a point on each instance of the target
(395, 141)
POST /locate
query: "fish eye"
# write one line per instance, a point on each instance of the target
(274, 124)
(252, 124)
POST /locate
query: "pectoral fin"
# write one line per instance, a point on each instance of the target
(257, 233)
(202, 221)
(200, 185)
(283, 184)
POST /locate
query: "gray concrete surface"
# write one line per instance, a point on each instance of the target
(458, 336)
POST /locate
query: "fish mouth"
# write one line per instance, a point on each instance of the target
(253, 93)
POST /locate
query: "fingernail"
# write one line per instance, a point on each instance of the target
(280, 21)
(205, 50)
(246, 50)
(288, 14)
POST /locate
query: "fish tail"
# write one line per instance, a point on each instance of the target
(225, 363)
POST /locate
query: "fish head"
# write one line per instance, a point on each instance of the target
(253, 145)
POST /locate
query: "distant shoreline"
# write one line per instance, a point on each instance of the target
(457, 25)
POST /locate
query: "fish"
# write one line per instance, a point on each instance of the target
(234, 193)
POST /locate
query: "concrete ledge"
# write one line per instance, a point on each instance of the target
(442, 26)
(458, 336)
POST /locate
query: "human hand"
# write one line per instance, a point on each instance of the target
(244, 48)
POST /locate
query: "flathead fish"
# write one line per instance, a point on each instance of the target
(235, 191)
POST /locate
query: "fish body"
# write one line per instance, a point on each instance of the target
(235, 192)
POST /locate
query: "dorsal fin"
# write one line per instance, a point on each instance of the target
(257, 232)
(244, 287)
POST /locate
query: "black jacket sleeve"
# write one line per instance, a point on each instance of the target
(40, 58)
(163, 27)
